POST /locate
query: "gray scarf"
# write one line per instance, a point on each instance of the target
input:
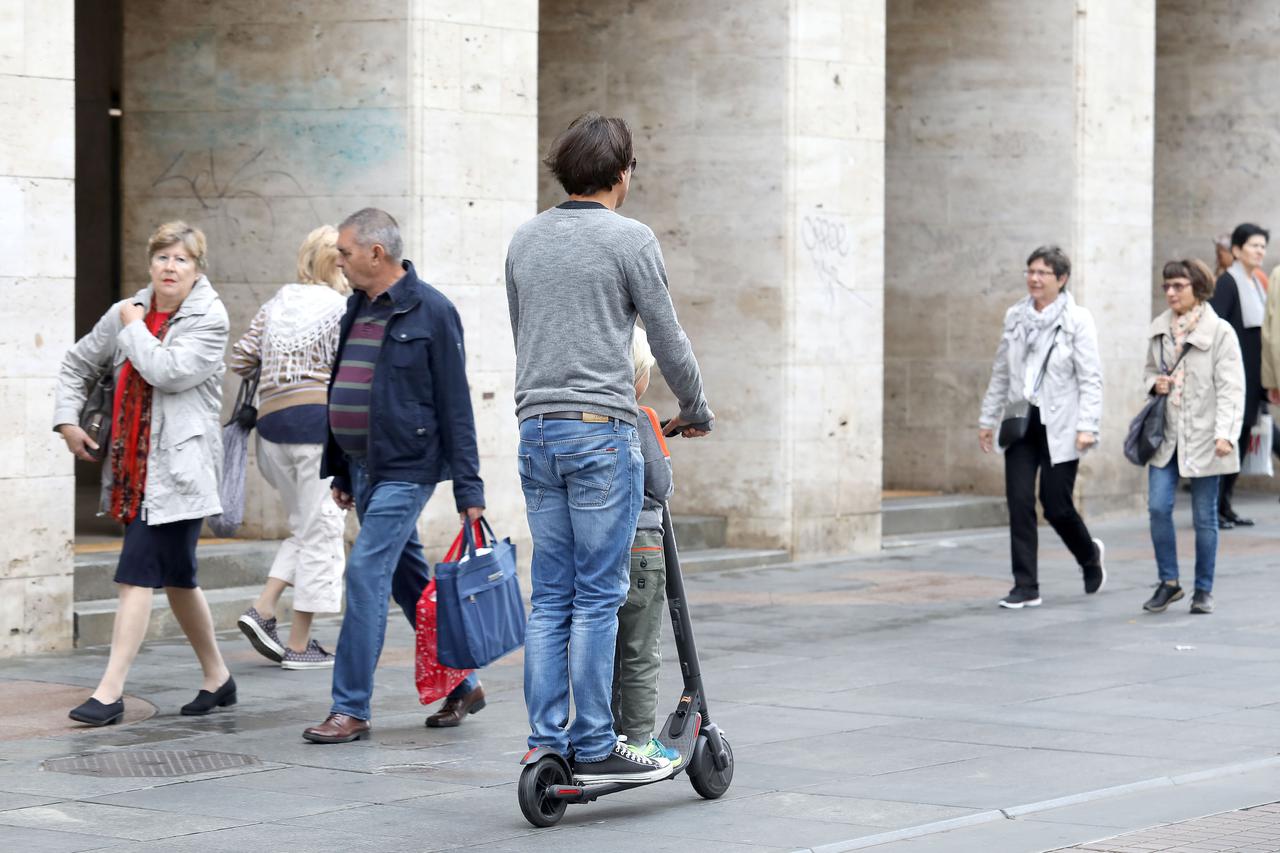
(1035, 328)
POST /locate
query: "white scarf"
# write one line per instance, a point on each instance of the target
(1036, 330)
(300, 334)
(1253, 301)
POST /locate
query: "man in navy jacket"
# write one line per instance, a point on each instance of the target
(400, 421)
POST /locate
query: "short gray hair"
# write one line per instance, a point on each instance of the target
(374, 226)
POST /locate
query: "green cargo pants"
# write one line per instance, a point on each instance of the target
(638, 658)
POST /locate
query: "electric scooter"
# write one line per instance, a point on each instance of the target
(547, 786)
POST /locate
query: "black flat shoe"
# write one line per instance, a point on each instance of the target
(94, 713)
(1225, 523)
(223, 697)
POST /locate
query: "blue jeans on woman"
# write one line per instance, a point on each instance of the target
(386, 561)
(583, 487)
(1162, 486)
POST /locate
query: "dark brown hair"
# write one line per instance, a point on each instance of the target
(1196, 271)
(1054, 258)
(591, 154)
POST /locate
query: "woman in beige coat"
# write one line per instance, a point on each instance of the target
(1194, 358)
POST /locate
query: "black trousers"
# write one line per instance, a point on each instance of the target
(1022, 461)
(1251, 355)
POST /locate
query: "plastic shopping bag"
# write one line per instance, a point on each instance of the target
(434, 679)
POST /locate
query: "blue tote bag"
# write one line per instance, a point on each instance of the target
(479, 611)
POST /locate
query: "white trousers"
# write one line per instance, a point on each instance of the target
(312, 558)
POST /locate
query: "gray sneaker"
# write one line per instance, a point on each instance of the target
(262, 634)
(1201, 602)
(315, 657)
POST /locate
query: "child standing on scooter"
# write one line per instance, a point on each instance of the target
(638, 658)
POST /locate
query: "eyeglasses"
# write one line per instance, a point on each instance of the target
(1039, 274)
(1174, 287)
(632, 167)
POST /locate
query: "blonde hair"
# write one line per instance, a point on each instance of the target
(318, 260)
(641, 355)
(191, 238)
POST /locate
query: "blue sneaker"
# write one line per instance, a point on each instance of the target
(656, 749)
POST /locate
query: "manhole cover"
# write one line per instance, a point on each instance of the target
(148, 762)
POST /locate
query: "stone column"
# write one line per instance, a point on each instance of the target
(837, 234)
(37, 314)
(473, 125)
(758, 127)
(258, 122)
(1008, 130)
(1113, 229)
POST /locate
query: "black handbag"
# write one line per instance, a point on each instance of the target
(1146, 431)
(1017, 415)
(95, 414)
(245, 413)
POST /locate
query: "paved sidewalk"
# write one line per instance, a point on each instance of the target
(880, 703)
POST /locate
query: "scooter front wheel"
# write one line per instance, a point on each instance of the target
(538, 806)
(709, 781)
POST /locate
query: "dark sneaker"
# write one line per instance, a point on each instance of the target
(1225, 523)
(1201, 602)
(624, 765)
(1019, 598)
(262, 634)
(315, 657)
(1166, 593)
(1095, 574)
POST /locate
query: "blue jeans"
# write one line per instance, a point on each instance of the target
(1162, 486)
(387, 559)
(583, 486)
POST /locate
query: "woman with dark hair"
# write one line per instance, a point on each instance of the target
(1194, 358)
(1047, 365)
(1240, 299)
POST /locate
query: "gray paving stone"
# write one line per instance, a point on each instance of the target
(135, 824)
(22, 801)
(45, 841)
(224, 799)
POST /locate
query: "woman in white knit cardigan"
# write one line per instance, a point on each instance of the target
(293, 340)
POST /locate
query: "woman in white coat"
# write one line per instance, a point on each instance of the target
(160, 476)
(1047, 368)
(293, 342)
(1193, 356)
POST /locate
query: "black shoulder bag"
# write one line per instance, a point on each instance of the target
(1146, 431)
(1017, 415)
(95, 414)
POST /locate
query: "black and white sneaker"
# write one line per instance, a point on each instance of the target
(1095, 574)
(624, 764)
(1019, 598)
(262, 634)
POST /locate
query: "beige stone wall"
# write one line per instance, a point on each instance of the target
(1216, 141)
(978, 173)
(259, 121)
(758, 128)
(1006, 131)
(37, 271)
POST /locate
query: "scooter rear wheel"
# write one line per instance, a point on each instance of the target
(705, 778)
(538, 807)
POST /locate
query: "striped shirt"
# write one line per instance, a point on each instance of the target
(353, 383)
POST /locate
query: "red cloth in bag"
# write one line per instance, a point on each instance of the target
(435, 680)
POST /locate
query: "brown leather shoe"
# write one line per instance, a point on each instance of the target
(454, 711)
(338, 728)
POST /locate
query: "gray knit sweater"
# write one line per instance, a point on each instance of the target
(577, 277)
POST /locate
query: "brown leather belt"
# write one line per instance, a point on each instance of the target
(587, 417)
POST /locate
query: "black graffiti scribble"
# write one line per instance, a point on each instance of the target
(829, 244)
(198, 175)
